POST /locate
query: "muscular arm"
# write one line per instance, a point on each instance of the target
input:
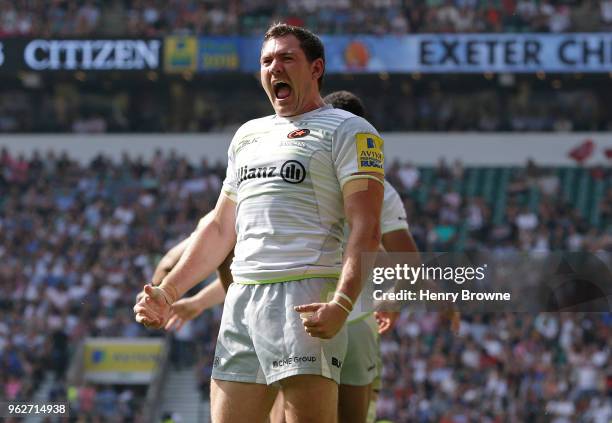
(224, 273)
(211, 295)
(208, 297)
(168, 261)
(362, 206)
(172, 257)
(206, 249)
(395, 241)
(401, 241)
(209, 247)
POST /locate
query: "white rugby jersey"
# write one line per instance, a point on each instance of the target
(286, 177)
(393, 215)
(392, 218)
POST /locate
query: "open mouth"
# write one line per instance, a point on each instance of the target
(282, 90)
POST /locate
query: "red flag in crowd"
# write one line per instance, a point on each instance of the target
(583, 151)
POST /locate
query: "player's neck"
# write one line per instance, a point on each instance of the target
(316, 104)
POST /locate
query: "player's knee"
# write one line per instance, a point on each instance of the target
(232, 401)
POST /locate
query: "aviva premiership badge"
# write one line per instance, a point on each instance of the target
(369, 153)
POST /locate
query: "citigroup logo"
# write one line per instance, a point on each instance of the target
(293, 172)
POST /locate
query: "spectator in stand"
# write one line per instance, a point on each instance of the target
(418, 106)
(153, 18)
(408, 177)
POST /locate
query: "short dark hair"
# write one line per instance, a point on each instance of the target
(310, 43)
(346, 100)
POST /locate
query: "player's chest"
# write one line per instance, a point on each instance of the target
(281, 143)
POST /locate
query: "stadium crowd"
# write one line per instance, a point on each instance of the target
(78, 241)
(536, 213)
(432, 105)
(502, 367)
(53, 18)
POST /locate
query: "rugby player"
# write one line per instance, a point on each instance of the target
(360, 375)
(293, 179)
(361, 363)
(357, 388)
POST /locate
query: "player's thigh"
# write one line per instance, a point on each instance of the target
(353, 403)
(277, 414)
(283, 347)
(310, 399)
(372, 408)
(232, 402)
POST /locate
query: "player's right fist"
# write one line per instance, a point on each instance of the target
(152, 309)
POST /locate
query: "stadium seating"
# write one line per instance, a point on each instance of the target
(77, 242)
(45, 17)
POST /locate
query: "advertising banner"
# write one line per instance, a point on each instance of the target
(219, 54)
(458, 53)
(121, 360)
(423, 53)
(180, 54)
(45, 55)
(205, 54)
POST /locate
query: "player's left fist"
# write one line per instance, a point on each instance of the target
(322, 320)
(385, 320)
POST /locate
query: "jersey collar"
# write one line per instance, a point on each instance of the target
(302, 116)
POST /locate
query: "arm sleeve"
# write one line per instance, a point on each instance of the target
(357, 149)
(393, 216)
(230, 186)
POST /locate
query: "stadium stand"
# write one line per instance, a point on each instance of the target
(78, 241)
(503, 367)
(76, 245)
(153, 18)
(429, 103)
(87, 103)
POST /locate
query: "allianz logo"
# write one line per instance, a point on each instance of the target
(291, 171)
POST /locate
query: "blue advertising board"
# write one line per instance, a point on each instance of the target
(424, 53)
(458, 53)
